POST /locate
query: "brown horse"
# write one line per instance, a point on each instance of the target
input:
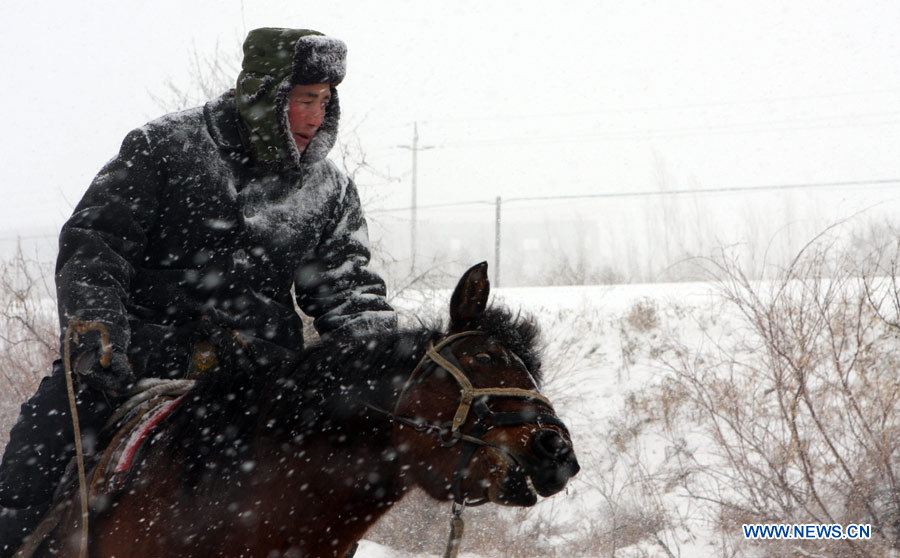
(303, 462)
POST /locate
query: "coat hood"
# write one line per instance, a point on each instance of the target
(275, 60)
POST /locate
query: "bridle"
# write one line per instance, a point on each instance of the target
(474, 400)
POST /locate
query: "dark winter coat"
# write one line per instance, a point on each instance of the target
(182, 226)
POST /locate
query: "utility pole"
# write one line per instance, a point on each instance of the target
(414, 202)
(413, 208)
(499, 204)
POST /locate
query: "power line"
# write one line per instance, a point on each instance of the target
(651, 193)
(724, 129)
(717, 190)
(433, 206)
(835, 122)
(649, 108)
(664, 108)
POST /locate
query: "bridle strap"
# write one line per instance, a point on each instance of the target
(465, 457)
(425, 357)
(468, 392)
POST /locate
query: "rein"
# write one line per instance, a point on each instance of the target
(75, 328)
(471, 399)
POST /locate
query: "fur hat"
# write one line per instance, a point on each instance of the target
(275, 60)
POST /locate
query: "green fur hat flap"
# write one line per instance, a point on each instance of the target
(275, 60)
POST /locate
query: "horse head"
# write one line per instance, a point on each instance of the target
(472, 411)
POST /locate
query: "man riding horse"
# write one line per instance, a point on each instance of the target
(187, 244)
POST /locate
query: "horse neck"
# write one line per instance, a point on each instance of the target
(340, 473)
(328, 484)
(344, 474)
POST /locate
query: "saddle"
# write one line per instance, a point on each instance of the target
(131, 427)
(129, 430)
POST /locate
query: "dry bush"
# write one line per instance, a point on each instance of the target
(28, 331)
(622, 490)
(420, 525)
(634, 480)
(794, 420)
(209, 76)
(640, 334)
(643, 316)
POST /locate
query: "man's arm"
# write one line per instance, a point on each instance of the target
(103, 241)
(337, 288)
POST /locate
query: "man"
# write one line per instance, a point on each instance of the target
(195, 233)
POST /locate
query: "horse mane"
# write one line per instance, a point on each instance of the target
(518, 332)
(326, 391)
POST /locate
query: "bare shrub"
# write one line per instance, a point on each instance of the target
(634, 479)
(643, 316)
(420, 525)
(210, 75)
(796, 419)
(28, 331)
(638, 333)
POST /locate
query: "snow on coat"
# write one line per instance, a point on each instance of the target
(181, 226)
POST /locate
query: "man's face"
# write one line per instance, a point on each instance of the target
(306, 110)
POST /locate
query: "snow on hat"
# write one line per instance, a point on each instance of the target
(306, 55)
(274, 61)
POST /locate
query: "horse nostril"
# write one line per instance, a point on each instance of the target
(550, 444)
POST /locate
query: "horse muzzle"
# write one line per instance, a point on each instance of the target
(543, 473)
(554, 462)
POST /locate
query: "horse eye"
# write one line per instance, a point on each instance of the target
(484, 358)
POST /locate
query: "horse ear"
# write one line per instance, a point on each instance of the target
(470, 296)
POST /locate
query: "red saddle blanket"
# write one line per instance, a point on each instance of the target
(116, 462)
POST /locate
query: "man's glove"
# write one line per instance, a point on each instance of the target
(118, 379)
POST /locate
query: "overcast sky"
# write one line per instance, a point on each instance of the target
(517, 98)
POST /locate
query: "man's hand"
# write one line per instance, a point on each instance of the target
(118, 379)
